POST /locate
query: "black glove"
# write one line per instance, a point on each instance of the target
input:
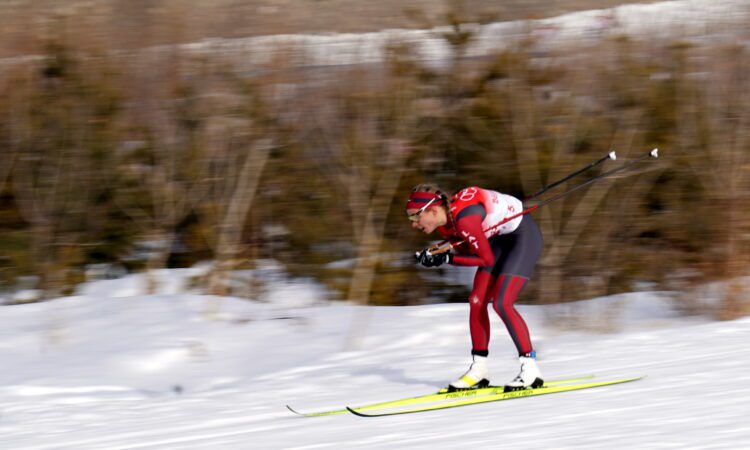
(434, 260)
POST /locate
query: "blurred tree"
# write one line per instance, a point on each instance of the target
(714, 119)
(61, 136)
(162, 169)
(269, 162)
(240, 137)
(9, 136)
(362, 142)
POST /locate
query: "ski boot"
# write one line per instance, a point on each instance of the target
(529, 377)
(476, 377)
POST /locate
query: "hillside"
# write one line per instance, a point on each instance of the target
(138, 23)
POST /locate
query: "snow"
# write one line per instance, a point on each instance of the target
(112, 368)
(670, 20)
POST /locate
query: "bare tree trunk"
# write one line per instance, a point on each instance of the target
(370, 242)
(43, 254)
(233, 221)
(374, 226)
(158, 258)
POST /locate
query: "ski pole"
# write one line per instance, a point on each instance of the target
(653, 154)
(446, 246)
(611, 155)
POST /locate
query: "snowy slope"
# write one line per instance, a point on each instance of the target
(111, 369)
(670, 20)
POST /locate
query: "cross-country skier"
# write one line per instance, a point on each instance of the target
(505, 258)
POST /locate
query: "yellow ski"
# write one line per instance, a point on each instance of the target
(441, 395)
(391, 410)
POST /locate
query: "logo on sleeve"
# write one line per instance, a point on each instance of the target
(470, 239)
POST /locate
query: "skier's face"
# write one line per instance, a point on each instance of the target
(426, 220)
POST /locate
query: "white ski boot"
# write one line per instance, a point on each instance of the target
(529, 377)
(476, 377)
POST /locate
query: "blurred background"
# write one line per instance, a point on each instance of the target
(137, 135)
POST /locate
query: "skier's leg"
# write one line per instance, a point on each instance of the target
(479, 321)
(479, 326)
(520, 252)
(530, 375)
(507, 289)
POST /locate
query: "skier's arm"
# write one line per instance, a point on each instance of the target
(470, 228)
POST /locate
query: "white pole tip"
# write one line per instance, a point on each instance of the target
(613, 156)
(655, 153)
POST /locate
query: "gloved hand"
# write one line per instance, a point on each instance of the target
(434, 260)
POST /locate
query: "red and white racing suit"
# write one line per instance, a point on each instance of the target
(505, 256)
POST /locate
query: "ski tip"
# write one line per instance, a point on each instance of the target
(613, 156)
(355, 412)
(655, 153)
(292, 410)
(630, 379)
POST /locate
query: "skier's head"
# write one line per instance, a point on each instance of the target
(427, 207)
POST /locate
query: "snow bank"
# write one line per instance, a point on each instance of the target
(106, 369)
(682, 19)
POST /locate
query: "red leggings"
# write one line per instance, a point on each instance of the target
(502, 292)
